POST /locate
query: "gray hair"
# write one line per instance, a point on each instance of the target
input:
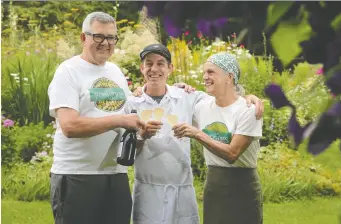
(240, 90)
(101, 17)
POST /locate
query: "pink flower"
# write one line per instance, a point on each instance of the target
(319, 71)
(186, 33)
(8, 123)
(130, 83)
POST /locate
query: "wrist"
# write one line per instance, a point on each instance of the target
(197, 135)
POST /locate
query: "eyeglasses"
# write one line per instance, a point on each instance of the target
(99, 38)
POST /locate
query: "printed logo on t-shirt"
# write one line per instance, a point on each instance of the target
(107, 95)
(219, 132)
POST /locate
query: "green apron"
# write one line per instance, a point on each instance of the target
(232, 196)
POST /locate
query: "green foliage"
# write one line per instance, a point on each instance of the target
(198, 162)
(8, 153)
(27, 181)
(25, 80)
(256, 73)
(21, 143)
(67, 16)
(293, 34)
(285, 175)
(277, 10)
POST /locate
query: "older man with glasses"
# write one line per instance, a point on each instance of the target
(87, 96)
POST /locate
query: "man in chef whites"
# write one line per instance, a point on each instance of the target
(163, 187)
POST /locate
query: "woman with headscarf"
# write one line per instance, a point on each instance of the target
(229, 132)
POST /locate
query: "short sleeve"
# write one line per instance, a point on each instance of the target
(199, 96)
(130, 105)
(247, 124)
(62, 91)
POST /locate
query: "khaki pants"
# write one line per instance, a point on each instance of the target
(91, 199)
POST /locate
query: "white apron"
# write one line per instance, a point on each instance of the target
(163, 189)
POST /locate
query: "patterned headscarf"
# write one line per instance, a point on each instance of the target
(227, 62)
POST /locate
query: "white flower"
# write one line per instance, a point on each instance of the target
(48, 135)
(229, 48)
(248, 55)
(14, 74)
(239, 51)
(192, 72)
(25, 79)
(234, 45)
(194, 76)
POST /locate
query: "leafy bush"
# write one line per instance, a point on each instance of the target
(25, 80)
(27, 181)
(285, 175)
(21, 143)
(8, 153)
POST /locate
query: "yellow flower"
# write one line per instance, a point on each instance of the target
(131, 22)
(336, 187)
(74, 9)
(122, 21)
(123, 29)
(138, 26)
(67, 23)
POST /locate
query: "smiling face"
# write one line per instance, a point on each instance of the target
(156, 69)
(98, 53)
(216, 80)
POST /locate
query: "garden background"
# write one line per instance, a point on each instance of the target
(38, 36)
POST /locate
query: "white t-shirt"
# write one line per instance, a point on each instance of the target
(221, 123)
(94, 91)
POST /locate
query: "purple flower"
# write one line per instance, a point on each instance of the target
(171, 28)
(211, 28)
(334, 83)
(276, 95)
(204, 27)
(43, 153)
(8, 123)
(326, 131)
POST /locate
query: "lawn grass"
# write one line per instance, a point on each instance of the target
(317, 211)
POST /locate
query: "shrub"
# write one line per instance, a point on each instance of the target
(21, 143)
(27, 181)
(25, 80)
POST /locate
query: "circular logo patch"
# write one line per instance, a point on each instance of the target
(107, 95)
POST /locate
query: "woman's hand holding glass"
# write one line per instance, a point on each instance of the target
(185, 130)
